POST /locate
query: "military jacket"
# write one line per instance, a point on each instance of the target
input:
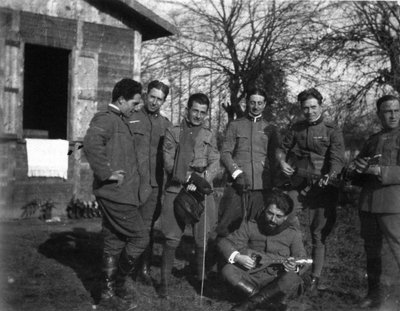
(109, 146)
(249, 238)
(205, 153)
(381, 194)
(317, 147)
(149, 131)
(250, 145)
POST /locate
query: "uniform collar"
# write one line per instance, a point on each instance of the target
(397, 129)
(318, 121)
(151, 114)
(254, 118)
(190, 125)
(115, 109)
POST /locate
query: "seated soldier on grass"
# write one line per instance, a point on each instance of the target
(262, 255)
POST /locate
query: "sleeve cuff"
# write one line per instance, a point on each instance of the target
(232, 257)
(236, 173)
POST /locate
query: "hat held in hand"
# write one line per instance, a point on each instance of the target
(188, 205)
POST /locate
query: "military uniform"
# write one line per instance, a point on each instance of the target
(149, 131)
(279, 244)
(249, 146)
(109, 146)
(200, 154)
(318, 148)
(379, 204)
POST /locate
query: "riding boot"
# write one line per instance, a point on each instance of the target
(108, 299)
(373, 298)
(270, 294)
(144, 273)
(167, 263)
(246, 287)
(125, 267)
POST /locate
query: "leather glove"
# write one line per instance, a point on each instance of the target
(241, 183)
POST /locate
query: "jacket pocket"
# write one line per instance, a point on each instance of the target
(242, 143)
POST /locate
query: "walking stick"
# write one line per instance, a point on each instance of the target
(204, 248)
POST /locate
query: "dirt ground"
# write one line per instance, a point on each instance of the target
(55, 266)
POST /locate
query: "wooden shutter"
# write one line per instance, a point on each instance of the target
(11, 65)
(84, 90)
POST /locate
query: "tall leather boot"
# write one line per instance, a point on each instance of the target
(125, 267)
(167, 262)
(246, 287)
(373, 298)
(108, 299)
(144, 275)
(269, 294)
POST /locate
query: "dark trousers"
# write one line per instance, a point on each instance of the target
(233, 207)
(150, 210)
(122, 228)
(173, 230)
(375, 227)
(320, 204)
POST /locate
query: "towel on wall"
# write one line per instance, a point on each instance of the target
(47, 157)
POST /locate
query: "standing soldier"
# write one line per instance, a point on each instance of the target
(149, 126)
(109, 148)
(188, 149)
(380, 196)
(248, 154)
(313, 148)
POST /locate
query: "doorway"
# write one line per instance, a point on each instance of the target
(45, 111)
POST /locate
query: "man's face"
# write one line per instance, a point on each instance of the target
(389, 114)
(154, 100)
(197, 113)
(312, 110)
(275, 217)
(256, 104)
(127, 107)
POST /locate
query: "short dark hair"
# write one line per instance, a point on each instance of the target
(385, 98)
(256, 91)
(156, 84)
(127, 88)
(200, 98)
(310, 93)
(282, 201)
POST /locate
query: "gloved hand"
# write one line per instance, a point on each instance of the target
(241, 183)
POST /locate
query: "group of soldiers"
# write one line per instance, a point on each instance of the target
(142, 164)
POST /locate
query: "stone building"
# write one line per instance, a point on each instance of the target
(58, 63)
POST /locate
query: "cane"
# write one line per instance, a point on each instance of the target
(204, 247)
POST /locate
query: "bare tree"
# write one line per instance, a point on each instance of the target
(238, 39)
(363, 37)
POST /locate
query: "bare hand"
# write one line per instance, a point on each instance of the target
(361, 164)
(245, 261)
(289, 264)
(286, 168)
(324, 180)
(118, 176)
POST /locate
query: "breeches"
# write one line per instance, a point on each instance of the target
(173, 230)
(375, 226)
(122, 228)
(150, 210)
(320, 204)
(231, 209)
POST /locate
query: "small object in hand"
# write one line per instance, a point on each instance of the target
(257, 259)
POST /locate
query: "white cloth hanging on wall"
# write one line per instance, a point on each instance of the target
(47, 157)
